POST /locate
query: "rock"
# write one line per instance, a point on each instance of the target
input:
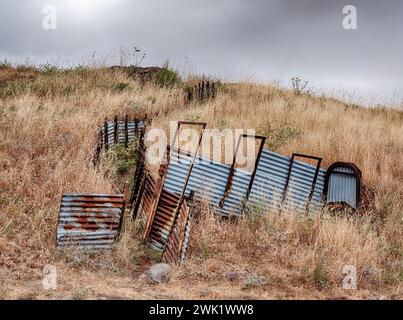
(159, 273)
(76, 258)
(232, 276)
(253, 280)
(204, 292)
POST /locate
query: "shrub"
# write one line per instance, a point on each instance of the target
(279, 135)
(167, 77)
(120, 86)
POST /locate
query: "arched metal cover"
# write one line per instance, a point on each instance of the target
(343, 184)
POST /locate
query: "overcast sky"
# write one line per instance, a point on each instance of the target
(263, 40)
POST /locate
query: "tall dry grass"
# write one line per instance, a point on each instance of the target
(47, 136)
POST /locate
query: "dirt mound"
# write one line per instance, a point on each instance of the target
(143, 74)
(8, 75)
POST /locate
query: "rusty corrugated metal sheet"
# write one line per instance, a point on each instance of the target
(175, 249)
(153, 209)
(89, 221)
(277, 182)
(156, 210)
(145, 199)
(164, 219)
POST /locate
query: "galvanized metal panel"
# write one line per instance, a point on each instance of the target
(342, 186)
(131, 126)
(89, 221)
(270, 182)
(186, 240)
(208, 180)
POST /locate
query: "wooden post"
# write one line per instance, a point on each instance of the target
(189, 95)
(115, 131)
(136, 127)
(126, 132)
(106, 134)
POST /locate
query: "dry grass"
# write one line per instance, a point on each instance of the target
(47, 136)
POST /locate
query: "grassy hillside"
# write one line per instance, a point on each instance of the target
(47, 137)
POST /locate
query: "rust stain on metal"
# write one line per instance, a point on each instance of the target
(176, 245)
(163, 220)
(89, 220)
(156, 194)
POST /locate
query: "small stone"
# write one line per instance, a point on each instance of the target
(254, 280)
(159, 273)
(204, 292)
(232, 276)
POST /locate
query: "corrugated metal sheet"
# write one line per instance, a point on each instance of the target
(133, 126)
(163, 221)
(90, 221)
(270, 181)
(139, 172)
(174, 250)
(153, 212)
(186, 240)
(118, 132)
(156, 209)
(143, 208)
(208, 180)
(342, 185)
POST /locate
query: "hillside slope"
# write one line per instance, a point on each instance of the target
(47, 139)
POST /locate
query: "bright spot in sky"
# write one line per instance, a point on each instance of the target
(85, 8)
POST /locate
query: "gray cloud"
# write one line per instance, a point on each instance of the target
(265, 40)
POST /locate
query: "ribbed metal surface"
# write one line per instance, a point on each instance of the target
(342, 186)
(132, 130)
(145, 206)
(163, 220)
(186, 240)
(89, 221)
(173, 250)
(270, 181)
(208, 180)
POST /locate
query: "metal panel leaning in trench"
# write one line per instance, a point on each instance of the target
(116, 131)
(89, 221)
(208, 180)
(156, 210)
(169, 204)
(144, 204)
(271, 181)
(177, 242)
(164, 220)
